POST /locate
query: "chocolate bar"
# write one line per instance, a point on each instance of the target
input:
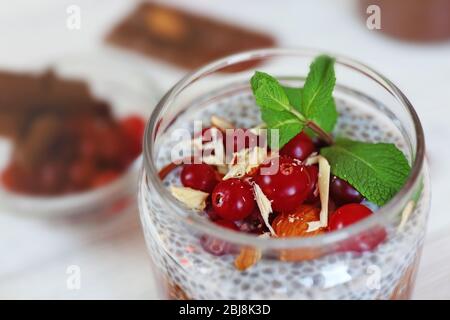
(182, 38)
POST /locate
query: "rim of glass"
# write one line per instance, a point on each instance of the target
(201, 224)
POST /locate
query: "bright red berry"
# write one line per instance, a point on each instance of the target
(288, 188)
(313, 195)
(299, 147)
(347, 215)
(233, 199)
(350, 214)
(342, 192)
(199, 177)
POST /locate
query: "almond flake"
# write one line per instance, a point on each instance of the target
(313, 226)
(193, 199)
(324, 189)
(236, 171)
(405, 215)
(221, 123)
(312, 159)
(264, 205)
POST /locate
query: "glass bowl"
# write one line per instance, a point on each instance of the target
(128, 90)
(371, 109)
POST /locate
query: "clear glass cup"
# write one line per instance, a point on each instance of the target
(371, 108)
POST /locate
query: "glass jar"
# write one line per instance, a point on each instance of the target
(371, 108)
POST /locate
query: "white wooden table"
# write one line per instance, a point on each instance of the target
(111, 254)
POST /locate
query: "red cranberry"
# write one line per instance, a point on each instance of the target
(233, 199)
(342, 192)
(299, 147)
(216, 246)
(350, 214)
(199, 177)
(347, 215)
(288, 188)
(313, 195)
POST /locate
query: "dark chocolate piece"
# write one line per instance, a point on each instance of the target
(183, 38)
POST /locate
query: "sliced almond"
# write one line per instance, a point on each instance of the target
(221, 123)
(312, 159)
(264, 205)
(324, 189)
(314, 225)
(236, 171)
(406, 213)
(193, 199)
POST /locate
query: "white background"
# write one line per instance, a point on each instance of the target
(35, 253)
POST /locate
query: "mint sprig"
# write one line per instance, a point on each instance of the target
(296, 108)
(377, 170)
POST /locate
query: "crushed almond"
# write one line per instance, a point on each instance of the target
(264, 205)
(193, 199)
(245, 161)
(221, 123)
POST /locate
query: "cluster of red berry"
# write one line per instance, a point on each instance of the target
(292, 191)
(90, 152)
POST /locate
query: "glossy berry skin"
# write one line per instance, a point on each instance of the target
(288, 188)
(350, 214)
(313, 195)
(199, 177)
(342, 192)
(216, 246)
(299, 147)
(233, 199)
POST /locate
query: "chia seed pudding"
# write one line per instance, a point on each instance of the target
(186, 271)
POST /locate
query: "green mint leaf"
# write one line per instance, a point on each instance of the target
(377, 170)
(288, 125)
(294, 96)
(259, 78)
(276, 110)
(326, 118)
(268, 92)
(317, 97)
